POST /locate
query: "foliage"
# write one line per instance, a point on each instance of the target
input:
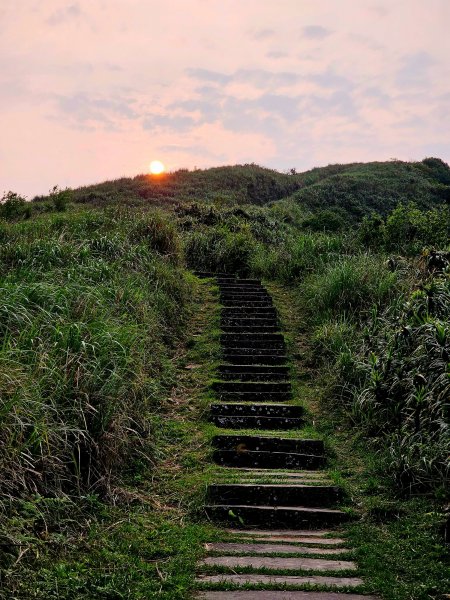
(13, 207)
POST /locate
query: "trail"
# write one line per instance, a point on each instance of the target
(273, 496)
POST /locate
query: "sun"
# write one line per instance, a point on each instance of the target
(156, 167)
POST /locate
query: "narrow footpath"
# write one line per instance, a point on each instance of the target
(276, 502)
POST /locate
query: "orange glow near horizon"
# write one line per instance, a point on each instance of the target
(156, 167)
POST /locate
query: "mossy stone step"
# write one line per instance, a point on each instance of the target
(255, 297)
(232, 288)
(251, 337)
(275, 444)
(279, 517)
(267, 459)
(314, 533)
(254, 422)
(255, 579)
(266, 410)
(269, 376)
(256, 344)
(245, 311)
(262, 549)
(254, 359)
(300, 540)
(250, 386)
(279, 563)
(242, 350)
(249, 322)
(236, 371)
(222, 279)
(290, 494)
(250, 329)
(254, 396)
(280, 595)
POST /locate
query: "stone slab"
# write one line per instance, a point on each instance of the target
(281, 595)
(291, 580)
(279, 563)
(235, 548)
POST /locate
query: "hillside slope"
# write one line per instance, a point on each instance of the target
(354, 189)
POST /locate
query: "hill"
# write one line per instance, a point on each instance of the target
(353, 190)
(109, 343)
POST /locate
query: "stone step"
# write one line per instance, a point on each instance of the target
(228, 288)
(245, 311)
(255, 297)
(238, 351)
(228, 548)
(269, 376)
(268, 459)
(236, 290)
(243, 443)
(254, 396)
(250, 329)
(311, 533)
(280, 595)
(279, 563)
(291, 494)
(278, 473)
(245, 282)
(249, 321)
(238, 371)
(281, 580)
(300, 540)
(239, 303)
(265, 410)
(250, 338)
(249, 345)
(250, 386)
(279, 517)
(253, 422)
(254, 359)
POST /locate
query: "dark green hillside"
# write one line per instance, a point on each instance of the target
(352, 190)
(359, 188)
(236, 185)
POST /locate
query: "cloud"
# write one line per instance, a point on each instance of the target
(316, 32)
(207, 75)
(86, 111)
(263, 34)
(276, 54)
(65, 14)
(415, 70)
(177, 122)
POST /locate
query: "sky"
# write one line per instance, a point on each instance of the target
(95, 89)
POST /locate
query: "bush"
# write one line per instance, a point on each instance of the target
(13, 207)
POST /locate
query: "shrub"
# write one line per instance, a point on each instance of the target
(13, 207)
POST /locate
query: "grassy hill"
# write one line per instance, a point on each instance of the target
(356, 189)
(108, 342)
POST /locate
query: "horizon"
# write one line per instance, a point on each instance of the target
(285, 85)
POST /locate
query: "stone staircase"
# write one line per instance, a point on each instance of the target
(272, 496)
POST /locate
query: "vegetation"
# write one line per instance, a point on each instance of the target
(103, 330)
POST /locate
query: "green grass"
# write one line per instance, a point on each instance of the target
(108, 346)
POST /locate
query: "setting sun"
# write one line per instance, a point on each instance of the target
(156, 167)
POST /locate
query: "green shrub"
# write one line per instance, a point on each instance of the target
(13, 207)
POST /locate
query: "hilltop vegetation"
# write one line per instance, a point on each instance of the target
(97, 300)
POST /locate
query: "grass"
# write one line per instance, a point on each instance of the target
(108, 346)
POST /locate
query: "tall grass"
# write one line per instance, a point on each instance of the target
(91, 305)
